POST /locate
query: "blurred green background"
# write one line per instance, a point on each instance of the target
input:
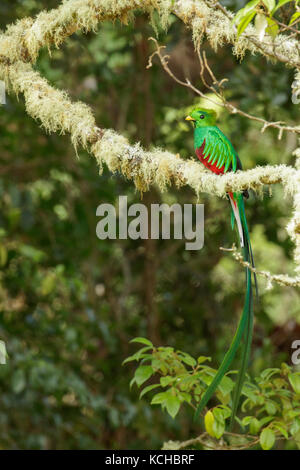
(70, 303)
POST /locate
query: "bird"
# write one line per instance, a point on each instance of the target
(217, 154)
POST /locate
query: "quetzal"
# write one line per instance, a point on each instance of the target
(217, 154)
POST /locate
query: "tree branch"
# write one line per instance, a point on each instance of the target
(219, 94)
(21, 42)
(281, 279)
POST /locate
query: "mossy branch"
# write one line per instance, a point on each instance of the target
(23, 40)
(57, 113)
(281, 279)
(21, 43)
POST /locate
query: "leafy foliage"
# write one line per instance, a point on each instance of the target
(263, 12)
(270, 403)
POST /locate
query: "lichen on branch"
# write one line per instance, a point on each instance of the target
(57, 113)
(24, 39)
(19, 49)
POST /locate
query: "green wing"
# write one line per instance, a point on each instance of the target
(220, 150)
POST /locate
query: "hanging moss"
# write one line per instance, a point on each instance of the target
(53, 109)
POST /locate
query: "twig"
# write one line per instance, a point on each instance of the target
(281, 279)
(223, 102)
(207, 441)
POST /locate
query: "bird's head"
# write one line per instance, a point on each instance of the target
(201, 117)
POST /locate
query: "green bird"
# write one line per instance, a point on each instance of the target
(217, 154)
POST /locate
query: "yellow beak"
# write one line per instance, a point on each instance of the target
(189, 118)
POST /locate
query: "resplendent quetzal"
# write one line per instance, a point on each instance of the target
(217, 154)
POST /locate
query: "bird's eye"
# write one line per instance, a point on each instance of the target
(202, 116)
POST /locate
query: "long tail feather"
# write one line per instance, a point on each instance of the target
(247, 338)
(245, 355)
(245, 325)
(228, 358)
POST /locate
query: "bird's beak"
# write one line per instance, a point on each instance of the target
(189, 118)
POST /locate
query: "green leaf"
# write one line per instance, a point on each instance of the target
(172, 404)
(219, 422)
(137, 356)
(265, 420)
(281, 428)
(146, 357)
(226, 411)
(148, 389)
(159, 398)
(218, 428)
(267, 439)
(267, 373)
(272, 28)
(187, 359)
(280, 4)
(129, 359)
(202, 359)
(142, 341)
(294, 17)
(219, 414)
(295, 427)
(226, 385)
(244, 11)
(224, 399)
(208, 422)
(164, 381)
(294, 380)
(254, 426)
(142, 374)
(185, 397)
(271, 407)
(286, 403)
(246, 420)
(244, 23)
(290, 414)
(279, 383)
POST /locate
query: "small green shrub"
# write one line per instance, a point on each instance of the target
(270, 405)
